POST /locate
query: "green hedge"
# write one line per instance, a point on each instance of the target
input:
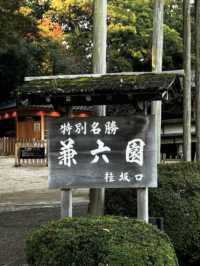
(177, 200)
(109, 241)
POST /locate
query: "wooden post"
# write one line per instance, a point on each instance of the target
(187, 82)
(157, 55)
(42, 128)
(100, 36)
(17, 158)
(143, 204)
(66, 203)
(143, 195)
(66, 194)
(16, 126)
(197, 77)
(96, 205)
(156, 106)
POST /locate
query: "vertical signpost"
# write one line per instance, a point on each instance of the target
(66, 202)
(123, 151)
(157, 57)
(96, 204)
(108, 152)
(66, 193)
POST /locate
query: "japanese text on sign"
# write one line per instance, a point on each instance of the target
(110, 128)
(96, 152)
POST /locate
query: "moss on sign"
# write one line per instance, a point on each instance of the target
(115, 83)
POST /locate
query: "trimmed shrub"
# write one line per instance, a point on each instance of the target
(177, 200)
(96, 241)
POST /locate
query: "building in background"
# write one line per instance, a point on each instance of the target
(172, 122)
(28, 122)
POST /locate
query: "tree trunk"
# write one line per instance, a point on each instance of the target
(157, 55)
(197, 78)
(187, 82)
(96, 205)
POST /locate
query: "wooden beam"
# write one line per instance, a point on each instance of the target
(17, 125)
(143, 204)
(100, 36)
(157, 56)
(57, 77)
(96, 205)
(187, 81)
(42, 126)
(197, 77)
(66, 203)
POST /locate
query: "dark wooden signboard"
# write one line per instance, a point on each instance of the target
(32, 153)
(102, 152)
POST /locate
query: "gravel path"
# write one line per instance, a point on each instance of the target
(27, 185)
(13, 179)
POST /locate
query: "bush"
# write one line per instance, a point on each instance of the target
(101, 241)
(177, 200)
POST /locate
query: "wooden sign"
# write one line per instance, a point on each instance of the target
(32, 153)
(102, 152)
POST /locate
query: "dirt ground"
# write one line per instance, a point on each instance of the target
(13, 179)
(21, 186)
(26, 203)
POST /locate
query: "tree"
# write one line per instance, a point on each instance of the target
(26, 34)
(55, 37)
(14, 31)
(129, 33)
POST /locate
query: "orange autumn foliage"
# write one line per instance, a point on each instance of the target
(49, 29)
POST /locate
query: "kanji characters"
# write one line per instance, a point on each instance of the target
(139, 177)
(134, 151)
(100, 150)
(95, 129)
(111, 128)
(124, 177)
(67, 153)
(98, 132)
(81, 128)
(66, 129)
(109, 177)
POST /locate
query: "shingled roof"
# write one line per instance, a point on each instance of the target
(97, 89)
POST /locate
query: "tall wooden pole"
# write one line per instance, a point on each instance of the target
(100, 36)
(187, 81)
(96, 205)
(156, 107)
(157, 56)
(143, 197)
(197, 77)
(66, 194)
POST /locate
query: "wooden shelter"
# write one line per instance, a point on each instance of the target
(95, 89)
(24, 118)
